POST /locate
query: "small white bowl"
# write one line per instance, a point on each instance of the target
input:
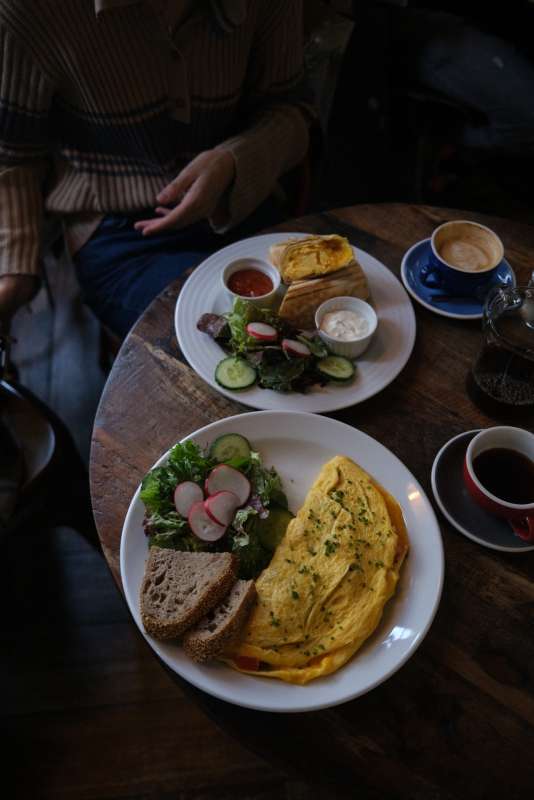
(252, 263)
(353, 347)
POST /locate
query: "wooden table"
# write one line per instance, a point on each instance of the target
(457, 721)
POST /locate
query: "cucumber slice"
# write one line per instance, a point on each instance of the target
(235, 373)
(272, 529)
(230, 446)
(337, 368)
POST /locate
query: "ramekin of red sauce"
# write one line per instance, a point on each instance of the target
(249, 283)
(253, 279)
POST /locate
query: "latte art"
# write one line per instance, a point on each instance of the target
(467, 246)
(469, 256)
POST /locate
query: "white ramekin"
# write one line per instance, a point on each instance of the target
(354, 347)
(261, 266)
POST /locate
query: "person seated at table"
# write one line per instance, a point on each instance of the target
(156, 129)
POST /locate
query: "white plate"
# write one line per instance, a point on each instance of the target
(376, 368)
(298, 444)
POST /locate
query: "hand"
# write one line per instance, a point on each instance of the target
(196, 191)
(15, 291)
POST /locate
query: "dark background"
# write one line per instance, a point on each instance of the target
(390, 137)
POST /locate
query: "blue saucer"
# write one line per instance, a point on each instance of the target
(434, 299)
(457, 505)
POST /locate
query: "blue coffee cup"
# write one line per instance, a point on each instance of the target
(463, 260)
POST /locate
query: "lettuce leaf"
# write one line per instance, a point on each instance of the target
(186, 463)
(171, 531)
(176, 541)
(253, 557)
(157, 490)
(316, 345)
(239, 524)
(266, 483)
(281, 376)
(239, 317)
(189, 462)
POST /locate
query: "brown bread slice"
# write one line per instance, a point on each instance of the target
(180, 588)
(211, 636)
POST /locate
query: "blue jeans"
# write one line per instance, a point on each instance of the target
(120, 271)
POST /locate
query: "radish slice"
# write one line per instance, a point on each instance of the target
(221, 507)
(227, 479)
(295, 348)
(187, 494)
(260, 330)
(202, 524)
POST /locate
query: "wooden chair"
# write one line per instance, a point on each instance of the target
(43, 482)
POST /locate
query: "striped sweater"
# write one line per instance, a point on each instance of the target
(102, 102)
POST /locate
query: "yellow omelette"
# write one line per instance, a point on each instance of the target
(325, 589)
(311, 257)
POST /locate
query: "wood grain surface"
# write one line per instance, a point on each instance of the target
(457, 721)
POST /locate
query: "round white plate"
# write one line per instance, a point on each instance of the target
(298, 445)
(376, 368)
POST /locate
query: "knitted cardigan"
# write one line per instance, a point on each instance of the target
(101, 105)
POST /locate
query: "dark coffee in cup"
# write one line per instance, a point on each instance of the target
(498, 472)
(506, 473)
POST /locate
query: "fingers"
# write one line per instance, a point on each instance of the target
(141, 224)
(195, 191)
(174, 192)
(176, 189)
(186, 213)
(178, 218)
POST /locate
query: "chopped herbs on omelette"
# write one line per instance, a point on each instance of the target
(325, 589)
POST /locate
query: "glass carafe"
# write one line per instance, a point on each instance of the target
(502, 377)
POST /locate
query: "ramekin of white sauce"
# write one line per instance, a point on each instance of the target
(346, 325)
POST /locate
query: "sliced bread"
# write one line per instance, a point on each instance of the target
(303, 298)
(180, 588)
(212, 634)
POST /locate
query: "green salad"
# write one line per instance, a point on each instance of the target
(219, 499)
(264, 349)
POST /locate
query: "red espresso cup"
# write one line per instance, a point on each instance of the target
(499, 471)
